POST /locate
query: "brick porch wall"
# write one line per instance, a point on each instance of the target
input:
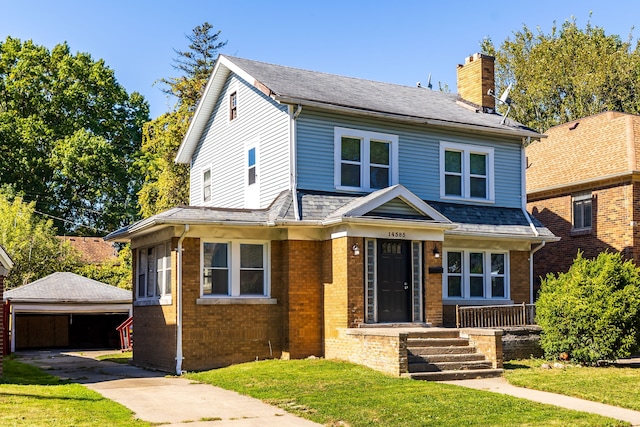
(613, 210)
(432, 285)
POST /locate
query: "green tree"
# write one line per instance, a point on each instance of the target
(566, 74)
(166, 184)
(592, 312)
(31, 243)
(54, 100)
(116, 273)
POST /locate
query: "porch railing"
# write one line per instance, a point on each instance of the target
(495, 316)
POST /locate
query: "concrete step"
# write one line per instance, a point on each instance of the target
(424, 351)
(455, 375)
(447, 357)
(435, 333)
(449, 366)
(436, 342)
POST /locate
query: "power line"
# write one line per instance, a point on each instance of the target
(71, 222)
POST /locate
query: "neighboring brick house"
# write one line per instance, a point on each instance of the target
(92, 250)
(5, 265)
(583, 184)
(323, 207)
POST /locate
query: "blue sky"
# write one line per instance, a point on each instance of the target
(393, 41)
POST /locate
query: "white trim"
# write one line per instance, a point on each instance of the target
(577, 198)
(466, 275)
(233, 266)
(233, 88)
(5, 260)
(467, 150)
(202, 186)
(365, 137)
(21, 308)
(252, 191)
(162, 297)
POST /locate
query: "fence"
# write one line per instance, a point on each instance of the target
(495, 316)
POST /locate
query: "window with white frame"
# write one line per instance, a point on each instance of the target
(466, 171)
(475, 274)
(582, 204)
(154, 272)
(206, 185)
(235, 268)
(233, 105)
(365, 161)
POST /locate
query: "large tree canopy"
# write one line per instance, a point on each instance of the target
(566, 74)
(166, 184)
(69, 134)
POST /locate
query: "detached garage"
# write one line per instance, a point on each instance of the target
(65, 310)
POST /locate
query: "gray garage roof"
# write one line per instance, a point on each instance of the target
(68, 288)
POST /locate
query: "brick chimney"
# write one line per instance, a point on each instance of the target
(475, 78)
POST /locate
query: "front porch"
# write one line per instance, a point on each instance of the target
(421, 352)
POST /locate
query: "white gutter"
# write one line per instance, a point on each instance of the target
(293, 160)
(533, 251)
(179, 269)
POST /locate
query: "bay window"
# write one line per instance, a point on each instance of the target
(154, 272)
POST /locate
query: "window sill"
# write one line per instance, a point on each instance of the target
(580, 232)
(166, 300)
(236, 301)
(477, 301)
(468, 200)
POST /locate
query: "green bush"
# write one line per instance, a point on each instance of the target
(592, 312)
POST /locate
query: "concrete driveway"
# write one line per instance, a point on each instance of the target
(158, 398)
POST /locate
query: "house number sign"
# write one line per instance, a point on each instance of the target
(397, 234)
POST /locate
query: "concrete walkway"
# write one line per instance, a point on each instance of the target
(162, 399)
(500, 385)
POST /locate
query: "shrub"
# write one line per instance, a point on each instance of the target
(592, 312)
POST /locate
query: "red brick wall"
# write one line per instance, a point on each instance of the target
(613, 211)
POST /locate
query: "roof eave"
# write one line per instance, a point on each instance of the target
(520, 133)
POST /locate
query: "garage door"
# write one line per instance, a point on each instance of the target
(34, 331)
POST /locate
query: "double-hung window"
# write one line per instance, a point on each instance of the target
(206, 185)
(154, 272)
(475, 274)
(233, 105)
(466, 171)
(235, 269)
(582, 204)
(364, 161)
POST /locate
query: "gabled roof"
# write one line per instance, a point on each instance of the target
(5, 260)
(68, 288)
(345, 94)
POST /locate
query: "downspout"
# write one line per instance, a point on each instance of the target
(179, 269)
(293, 159)
(526, 214)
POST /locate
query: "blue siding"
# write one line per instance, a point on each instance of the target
(418, 155)
(222, 147)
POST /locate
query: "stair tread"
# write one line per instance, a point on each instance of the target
(455, 375)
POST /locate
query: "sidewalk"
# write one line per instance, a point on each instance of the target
(161, 399)
(500, 385)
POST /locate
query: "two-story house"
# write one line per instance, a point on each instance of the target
(322, 205)
(582, 182)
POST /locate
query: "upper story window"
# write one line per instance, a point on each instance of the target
(206, 185)
(364, 161)
(233, 105)
(582, 204)
(154, 272)
(466, 172)
(234, 268)
(475, 274)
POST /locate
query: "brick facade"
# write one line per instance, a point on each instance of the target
(614, 214)
(432, 286)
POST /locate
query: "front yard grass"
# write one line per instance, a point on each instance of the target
(122, 357)
(31, 397)
(330, 392)
(610, 385)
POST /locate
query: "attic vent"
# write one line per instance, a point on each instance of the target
(397, 208)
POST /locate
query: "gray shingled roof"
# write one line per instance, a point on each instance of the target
(404, 101)
(68, 288)
(318, 206)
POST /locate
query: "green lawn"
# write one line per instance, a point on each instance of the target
(31, 397)
(610, 385)
(329, 392)
(122, 357)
